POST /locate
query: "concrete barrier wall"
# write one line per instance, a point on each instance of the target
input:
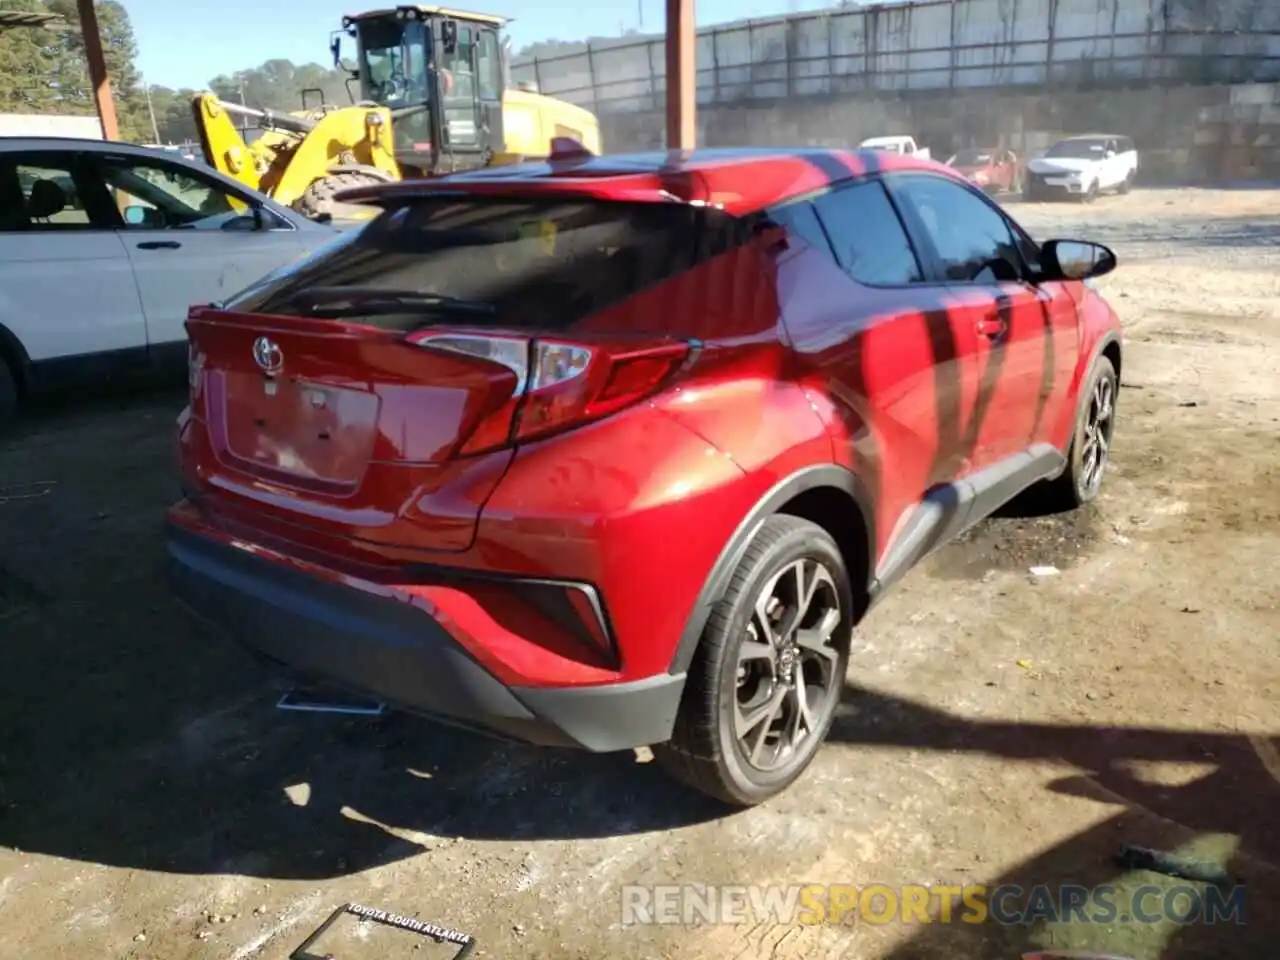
(933, 45)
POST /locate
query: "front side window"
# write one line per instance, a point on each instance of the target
(154, 195)
(526, 263)
(869, 239)
(971, 238)
(490, 60)
(393, 71)
(459, 64)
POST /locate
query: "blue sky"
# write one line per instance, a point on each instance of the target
(184, 43)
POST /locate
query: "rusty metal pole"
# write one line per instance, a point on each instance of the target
(682, 77)
(98, 69)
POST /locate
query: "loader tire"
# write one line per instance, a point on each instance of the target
(317, 200)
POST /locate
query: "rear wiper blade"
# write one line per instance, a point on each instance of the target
(334, 301)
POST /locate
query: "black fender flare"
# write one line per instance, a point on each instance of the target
(827, 475)
(1104, 341)
(11, 348)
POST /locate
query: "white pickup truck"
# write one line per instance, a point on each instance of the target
(904, 145)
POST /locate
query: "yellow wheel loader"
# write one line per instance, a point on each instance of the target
(302, 159)
(434, 98)
(445, 75)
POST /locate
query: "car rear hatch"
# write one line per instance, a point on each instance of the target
(377, 390)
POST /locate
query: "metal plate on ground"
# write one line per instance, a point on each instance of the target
(446, 937)
(321, 700)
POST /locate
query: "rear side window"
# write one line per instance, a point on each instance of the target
(41, 193)
(869, 239)
(801, 220)
(535, 263)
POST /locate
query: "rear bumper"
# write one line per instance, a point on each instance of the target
(364, 639)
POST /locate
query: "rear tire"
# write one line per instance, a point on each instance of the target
(1090, 449)
(8, 396)
(747, 729)
(318, 199)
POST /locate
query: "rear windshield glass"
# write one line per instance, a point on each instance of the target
(533, 263)
(1077, 149)
(972, 158)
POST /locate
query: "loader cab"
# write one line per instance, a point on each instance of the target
(442, 73)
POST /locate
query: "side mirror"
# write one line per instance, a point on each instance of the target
(247, 222)
(449, 36)
(1110, 154)
(335, 48)
(136, 215)
(1075, 260)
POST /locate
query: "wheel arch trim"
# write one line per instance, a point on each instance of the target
(827, 475)
(1107, 338)
(10, 345)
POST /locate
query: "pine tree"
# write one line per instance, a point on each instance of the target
(119, 50)
(31, 61)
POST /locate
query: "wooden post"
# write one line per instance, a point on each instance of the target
(682, 77)
(98, 69)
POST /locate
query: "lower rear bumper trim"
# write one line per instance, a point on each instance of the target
(382, 647)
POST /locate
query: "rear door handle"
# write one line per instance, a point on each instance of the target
(992, 327)
(160, 245)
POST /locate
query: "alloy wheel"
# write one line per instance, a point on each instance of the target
(1097, 435)
(787, 682)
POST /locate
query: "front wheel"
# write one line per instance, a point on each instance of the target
(318, 199)
(1127, 184)
(769, 671)
(1091, 442)
(1091, 194)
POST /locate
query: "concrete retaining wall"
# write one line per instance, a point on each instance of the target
(931, 45)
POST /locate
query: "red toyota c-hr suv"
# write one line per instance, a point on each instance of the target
(616, 451)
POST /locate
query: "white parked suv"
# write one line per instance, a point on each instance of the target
(1083, 167)
(103, 246)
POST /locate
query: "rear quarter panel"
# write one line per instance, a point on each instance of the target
(637, 505)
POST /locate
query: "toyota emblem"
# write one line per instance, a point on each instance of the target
(268, 355)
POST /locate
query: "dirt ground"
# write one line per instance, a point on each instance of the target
(998, 727)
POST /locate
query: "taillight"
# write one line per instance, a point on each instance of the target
(195, 372)
(561, 384)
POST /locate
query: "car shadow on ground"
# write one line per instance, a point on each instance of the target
(135, 738)
(1234, 806)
